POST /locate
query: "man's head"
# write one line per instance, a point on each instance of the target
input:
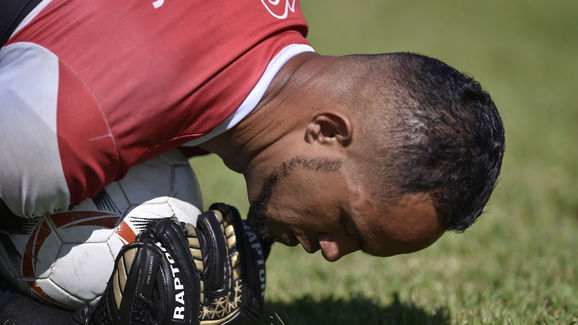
(440, 133)
(384, 154)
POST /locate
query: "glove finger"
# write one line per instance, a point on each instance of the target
(135, 269)
(181, 278)
(214, 251)
(249, 246)
(248, 265)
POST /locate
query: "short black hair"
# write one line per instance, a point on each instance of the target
(444, 136)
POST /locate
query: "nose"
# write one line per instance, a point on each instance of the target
(333, 247)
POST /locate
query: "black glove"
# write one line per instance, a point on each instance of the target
(178, 274)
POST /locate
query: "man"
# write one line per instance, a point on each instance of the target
(379, 153)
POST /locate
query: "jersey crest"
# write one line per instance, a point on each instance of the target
(279, 8)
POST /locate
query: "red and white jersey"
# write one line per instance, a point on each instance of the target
(90, 88)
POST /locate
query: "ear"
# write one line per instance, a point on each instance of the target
(329, 128)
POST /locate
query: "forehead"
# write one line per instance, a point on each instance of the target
(403, 225)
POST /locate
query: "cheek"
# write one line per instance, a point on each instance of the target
(306, 200)
(410, 226)
(288, 209)
(291, 198)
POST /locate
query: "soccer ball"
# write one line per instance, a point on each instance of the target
(66, 259)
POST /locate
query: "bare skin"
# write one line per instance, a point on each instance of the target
(301, 151)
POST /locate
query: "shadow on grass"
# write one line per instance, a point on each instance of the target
(357, 310)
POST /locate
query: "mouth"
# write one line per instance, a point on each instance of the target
(288, 239)
(311, 249)
(310, 246)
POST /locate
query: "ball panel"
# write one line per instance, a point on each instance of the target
(186, 186)
(78, 263)
(138, 184)
(40, 252)
(48, 292)
(184, 211)
(111, 199)
(84, 226)
(174, 158)
(123, 235)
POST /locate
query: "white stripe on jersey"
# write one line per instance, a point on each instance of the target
(256, 94)
(31, 15)
(32, 182)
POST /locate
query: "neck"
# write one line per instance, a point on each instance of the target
(240, 146)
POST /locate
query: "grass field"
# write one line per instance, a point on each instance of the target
(519, 263)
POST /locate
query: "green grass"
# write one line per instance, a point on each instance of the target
(519, 263)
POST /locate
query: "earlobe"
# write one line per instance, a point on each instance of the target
(330, 127)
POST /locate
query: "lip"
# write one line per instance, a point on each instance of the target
(310, 246)
(310, 250)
